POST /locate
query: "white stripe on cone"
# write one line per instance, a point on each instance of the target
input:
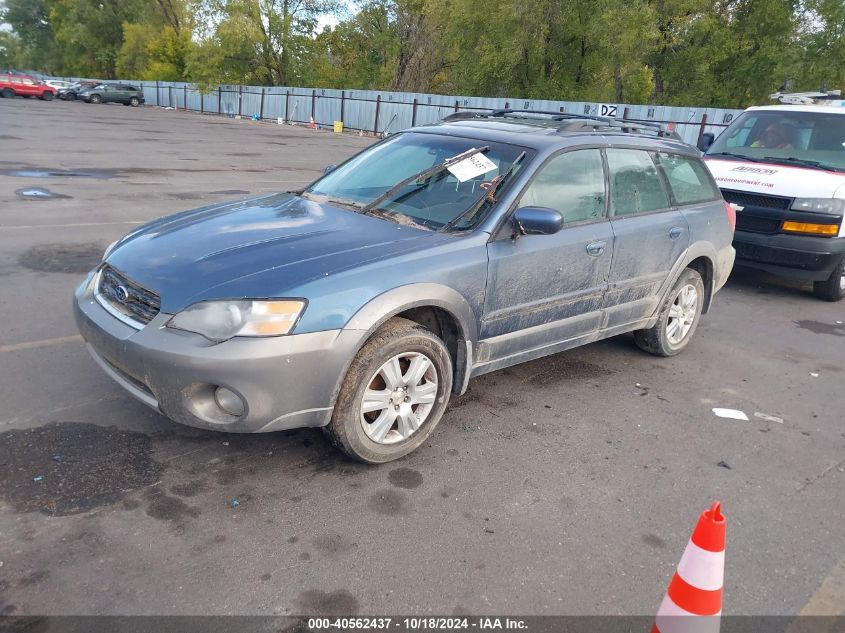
(673, 619)
(702, 569)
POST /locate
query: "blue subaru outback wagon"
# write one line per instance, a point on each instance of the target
(363, 302)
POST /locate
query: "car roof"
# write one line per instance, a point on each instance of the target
(546, 134)
(829, 109)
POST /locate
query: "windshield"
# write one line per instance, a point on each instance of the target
(807, 139)
(373, 181)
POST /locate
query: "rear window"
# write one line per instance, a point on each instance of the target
(688, 178)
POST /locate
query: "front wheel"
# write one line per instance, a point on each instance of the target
(833, 289)
(394, 393)
(678, 318)
(47, 96)
(96, 99)
(70, 97)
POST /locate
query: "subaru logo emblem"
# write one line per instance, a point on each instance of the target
(121, 293)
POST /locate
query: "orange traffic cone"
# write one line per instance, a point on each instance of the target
(696, 588)
(312, 125)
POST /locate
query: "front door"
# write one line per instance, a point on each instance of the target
(544, 289)
(649, 236)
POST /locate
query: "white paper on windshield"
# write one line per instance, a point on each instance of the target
(471, 167)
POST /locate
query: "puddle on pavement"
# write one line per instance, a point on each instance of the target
(37, 193)
(63, 258)
(72, 467)
(819, 327)
(59, 173)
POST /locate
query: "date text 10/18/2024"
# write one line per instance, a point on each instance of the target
(421, 623)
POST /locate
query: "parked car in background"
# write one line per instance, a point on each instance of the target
(75, 88)
(112, 93)
(783, 169)
(445, 252)
(60, 86)
(17, 85)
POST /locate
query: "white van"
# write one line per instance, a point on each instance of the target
(783, 169)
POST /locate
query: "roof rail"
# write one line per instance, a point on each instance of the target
(806, 98)
(569, 122)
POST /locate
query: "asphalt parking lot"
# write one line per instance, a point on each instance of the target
(568, 485)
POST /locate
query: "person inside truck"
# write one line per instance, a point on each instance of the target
(776, 136)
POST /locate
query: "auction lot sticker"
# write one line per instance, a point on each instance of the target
(471, 167)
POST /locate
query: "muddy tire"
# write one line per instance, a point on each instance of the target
(833, 289)
(678, 319)
(7, 93)
(393, 395)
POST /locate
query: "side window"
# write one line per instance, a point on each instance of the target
(635, 185)
(28, 82)
(572, 183)
(688, 179)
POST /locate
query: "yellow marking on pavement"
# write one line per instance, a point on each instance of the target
(829, 598)
(54, 226)
(47, 342)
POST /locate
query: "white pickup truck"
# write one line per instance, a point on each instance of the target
(782, 167)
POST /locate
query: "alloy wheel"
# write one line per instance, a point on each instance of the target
(399, 398)
(682, 314)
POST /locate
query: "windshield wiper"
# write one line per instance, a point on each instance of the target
(799, 161)
(489, 195)
(341, 202)
(423, 175)
(739, 156)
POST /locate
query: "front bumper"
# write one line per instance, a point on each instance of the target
(286, 382)
(797, 256)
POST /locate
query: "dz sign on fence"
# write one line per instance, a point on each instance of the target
(602, 109)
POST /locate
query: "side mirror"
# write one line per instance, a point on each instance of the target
(537, 221)
(706, 141)
(333, 167)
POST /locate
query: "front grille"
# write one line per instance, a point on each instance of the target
(757, 200)
(756, 224)
(126, 297)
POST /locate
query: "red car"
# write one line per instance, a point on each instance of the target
(13, 84)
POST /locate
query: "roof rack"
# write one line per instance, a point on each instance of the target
(807, 98)
(573, 122)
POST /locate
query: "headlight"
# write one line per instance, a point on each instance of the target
(221, 320)
(819, 205)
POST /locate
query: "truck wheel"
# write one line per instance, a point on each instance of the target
(7, 93)
(834, 288)
(394, 393)
(678, 318)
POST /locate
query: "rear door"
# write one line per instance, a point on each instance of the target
(649, 236)
(28, 87)
(543, 289)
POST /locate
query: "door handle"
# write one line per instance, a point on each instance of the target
(675, 232)
(596, 248)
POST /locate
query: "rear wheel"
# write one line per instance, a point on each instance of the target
(833, 289)
(394, 393)
(678, 318)
(96, 99)
(134, 102)
(7, 93)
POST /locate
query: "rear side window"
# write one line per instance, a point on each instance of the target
(635, 185)
(688, 179)
(572, 183)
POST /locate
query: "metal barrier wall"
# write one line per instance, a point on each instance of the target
(381, 112)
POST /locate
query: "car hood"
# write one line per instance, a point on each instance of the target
(792, 181)
(291, 240)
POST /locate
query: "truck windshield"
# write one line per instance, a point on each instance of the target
(815, 140)
(422, 179)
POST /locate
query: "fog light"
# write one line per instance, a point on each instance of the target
(229, 401)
